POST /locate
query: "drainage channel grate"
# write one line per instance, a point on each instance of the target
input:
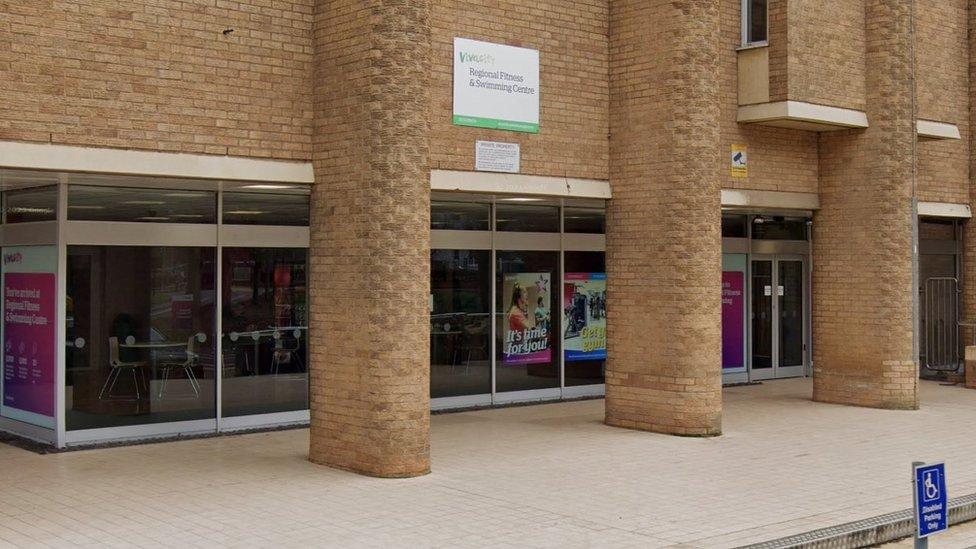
(870, 531)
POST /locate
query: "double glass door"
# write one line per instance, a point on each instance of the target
(777, 310)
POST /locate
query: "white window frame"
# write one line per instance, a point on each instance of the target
(746, 18)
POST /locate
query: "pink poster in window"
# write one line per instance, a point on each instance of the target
(29, 342)
(733, 317)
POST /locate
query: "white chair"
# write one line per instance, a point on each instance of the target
(287, 353)
(137, 369)
(187, 367)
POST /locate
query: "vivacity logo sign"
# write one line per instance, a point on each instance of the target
(478, 58)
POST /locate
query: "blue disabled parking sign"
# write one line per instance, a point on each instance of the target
(931, 502)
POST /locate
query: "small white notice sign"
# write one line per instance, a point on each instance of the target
(491, 156)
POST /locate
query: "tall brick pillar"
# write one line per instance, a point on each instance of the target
(664, 230)
(370, 245)
(864, 289)
(969, 229)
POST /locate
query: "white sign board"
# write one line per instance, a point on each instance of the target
(490, 156)
(496, 86)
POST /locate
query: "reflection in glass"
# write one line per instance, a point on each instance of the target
(734, 226)
(460, 216)
(33, 204)
(460, 322)
(585, 301)
(778, 228)
(94, 203)
(264, 324)
(790, 313)
(584, 220)
(762, 314)
(757, 21)
(266, 209)
(526, 218)
(140, 333)
(527, 355)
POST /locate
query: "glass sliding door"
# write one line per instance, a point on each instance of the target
(527, 355)
(762, 315)
(460, 323)
(264, 322)
(790, 292)
(778, 309)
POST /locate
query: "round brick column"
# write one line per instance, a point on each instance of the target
(969, 228)
(370, 242)
(864, 318)
(664, 228)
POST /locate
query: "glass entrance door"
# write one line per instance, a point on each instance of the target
(778, 317)
(762, 316)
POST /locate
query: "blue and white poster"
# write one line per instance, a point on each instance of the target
(585, 316)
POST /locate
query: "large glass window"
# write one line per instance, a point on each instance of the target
(140, 333)
(779, 228)
(460, 323)
(585, 317)
(584, 220)
(264, 324)
(266, 209)
(94, 203)
(33, 204)
(460, 216)
(527, 355)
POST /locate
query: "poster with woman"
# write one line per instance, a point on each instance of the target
(528, 318)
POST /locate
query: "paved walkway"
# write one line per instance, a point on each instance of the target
(541, 476)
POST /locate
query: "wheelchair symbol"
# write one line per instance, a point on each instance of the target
(931, 485)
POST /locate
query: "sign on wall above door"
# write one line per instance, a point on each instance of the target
(496, 86)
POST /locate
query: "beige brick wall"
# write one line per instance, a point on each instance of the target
(863, 283)
(370, 239)
(942, 48)
(826, 61)
(664, 312)
(816, 52)
(780, 159)
(571, 36)
(778, 36)
(159, 75)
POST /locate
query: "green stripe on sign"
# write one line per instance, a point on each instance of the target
(495, 124)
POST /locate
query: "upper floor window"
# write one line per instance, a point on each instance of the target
(754, 22)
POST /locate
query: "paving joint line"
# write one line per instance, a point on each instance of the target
(869, 531)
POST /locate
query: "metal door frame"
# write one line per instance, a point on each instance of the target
(777, 371)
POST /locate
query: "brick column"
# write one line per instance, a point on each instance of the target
(370, 245)
(864, 275)
(663, 237)
(969, 229)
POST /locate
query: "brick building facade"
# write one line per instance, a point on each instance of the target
(844, 221)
